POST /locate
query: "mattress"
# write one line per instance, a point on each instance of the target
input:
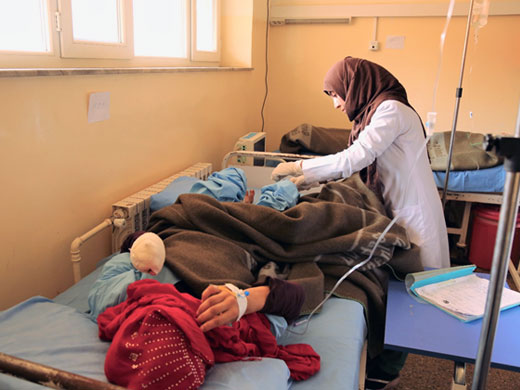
(478, 180)
(60, 336)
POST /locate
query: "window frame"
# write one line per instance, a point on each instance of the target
(173, 61)
(69, 48)
(99, 55)
(200, 55)
(49, 6)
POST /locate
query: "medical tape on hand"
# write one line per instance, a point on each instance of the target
(241, 297)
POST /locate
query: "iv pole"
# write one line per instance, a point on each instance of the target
(509, 148)
(458, 96)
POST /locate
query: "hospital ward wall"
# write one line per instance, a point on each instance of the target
(61, 174)
(300, 55)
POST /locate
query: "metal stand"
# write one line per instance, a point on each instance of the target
(459, 377)
(458, 96)
(509, 148)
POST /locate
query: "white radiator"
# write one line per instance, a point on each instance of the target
(130, 215)
(133, 212)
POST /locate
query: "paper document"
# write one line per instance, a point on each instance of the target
(457, 291)
(464, 297)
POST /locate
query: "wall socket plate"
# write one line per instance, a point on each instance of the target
(374, 45)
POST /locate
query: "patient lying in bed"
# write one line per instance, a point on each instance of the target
(210, 242)
(152, 324)
(143, 251)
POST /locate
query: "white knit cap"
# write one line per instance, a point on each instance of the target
(148, 253)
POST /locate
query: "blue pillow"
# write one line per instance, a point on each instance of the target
(170, 194)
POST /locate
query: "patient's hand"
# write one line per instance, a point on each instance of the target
(219, 307)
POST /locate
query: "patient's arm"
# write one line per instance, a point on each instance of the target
(219, 307)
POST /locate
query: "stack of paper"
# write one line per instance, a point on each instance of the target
(457, 291)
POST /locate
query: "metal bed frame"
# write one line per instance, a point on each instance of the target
(128, 216)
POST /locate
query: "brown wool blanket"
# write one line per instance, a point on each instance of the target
(208, 241)
(320, 140)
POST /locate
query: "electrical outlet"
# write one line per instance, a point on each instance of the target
(374, 45)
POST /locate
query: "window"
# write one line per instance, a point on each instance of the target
(205, 31)
(95, 29)
(24, 26)
(161, 28)
(140, 32)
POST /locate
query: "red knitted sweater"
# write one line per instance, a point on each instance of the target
(157, 343)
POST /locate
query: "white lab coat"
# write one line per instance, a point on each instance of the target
(395, 137)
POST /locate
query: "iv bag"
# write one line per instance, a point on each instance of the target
(480, 13)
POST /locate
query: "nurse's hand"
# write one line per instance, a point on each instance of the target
(282, 170)
(301, 184)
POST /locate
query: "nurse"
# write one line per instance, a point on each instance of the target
(386, 147)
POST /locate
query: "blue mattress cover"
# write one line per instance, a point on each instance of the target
(60, 336)
(479, 180)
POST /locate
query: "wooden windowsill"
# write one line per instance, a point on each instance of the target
(39, 72)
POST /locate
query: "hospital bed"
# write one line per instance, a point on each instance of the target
(469, 188)
(58, 334)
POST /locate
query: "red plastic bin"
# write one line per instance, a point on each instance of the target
(483, 236)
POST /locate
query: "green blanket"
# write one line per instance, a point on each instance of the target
(468, 153)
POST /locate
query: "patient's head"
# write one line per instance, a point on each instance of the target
(148, 253)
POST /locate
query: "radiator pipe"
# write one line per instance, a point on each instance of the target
(75, 255)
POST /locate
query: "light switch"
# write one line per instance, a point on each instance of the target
(98, 106)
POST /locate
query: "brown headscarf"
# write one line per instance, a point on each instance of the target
(363, 85)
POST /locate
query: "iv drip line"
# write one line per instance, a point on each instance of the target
(441, 54)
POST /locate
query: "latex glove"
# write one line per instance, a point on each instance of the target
(293, 168)
(301, 184)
